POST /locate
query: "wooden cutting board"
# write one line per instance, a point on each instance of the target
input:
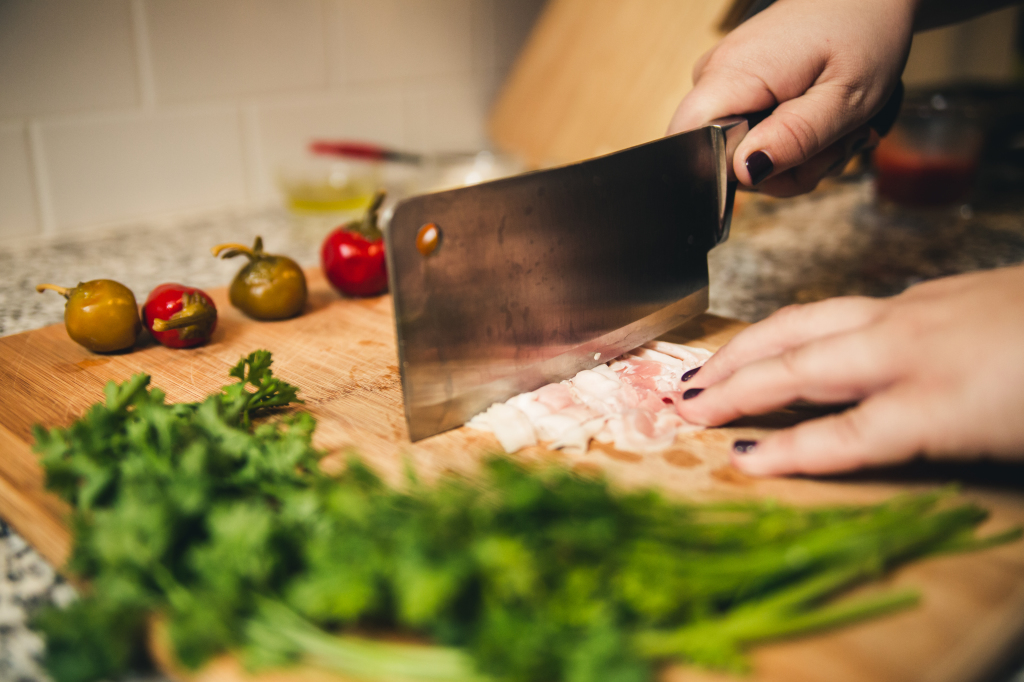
(341, 352)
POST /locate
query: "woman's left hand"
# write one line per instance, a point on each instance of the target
(937, 371)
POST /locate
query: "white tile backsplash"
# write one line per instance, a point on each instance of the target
(445, 115)
(115, 111)
(399, 39)
(17, 198)
(285, 128)
(484, 36)
(122, 110)
(211, 49)
(114, 168)
(61, 56)
(513, 20)
(501, 27)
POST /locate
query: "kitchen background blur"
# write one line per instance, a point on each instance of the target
(113, 111)
(116, 112)
(135, 134)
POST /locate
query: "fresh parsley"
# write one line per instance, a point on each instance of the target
(222, 523)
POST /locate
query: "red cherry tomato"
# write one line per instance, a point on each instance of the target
(354, 264)
(179, 316)
(352, 255)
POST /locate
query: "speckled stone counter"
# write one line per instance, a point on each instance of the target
(836, 241)
(839, 241)
(141, 258)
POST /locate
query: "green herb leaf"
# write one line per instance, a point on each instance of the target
(216, 515)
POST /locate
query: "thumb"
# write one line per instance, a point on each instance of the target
(798, 129)
(718, 93)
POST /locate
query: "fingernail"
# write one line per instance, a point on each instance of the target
(689, 374)
(692, 393)
(759, 166)
(744, 447)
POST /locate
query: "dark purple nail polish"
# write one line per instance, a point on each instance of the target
(744, 447)
(687, 375)
(759, 166)
(692, 393)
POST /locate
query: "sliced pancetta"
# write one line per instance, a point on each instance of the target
(630, 403)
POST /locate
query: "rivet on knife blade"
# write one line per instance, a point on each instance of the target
(428, 239)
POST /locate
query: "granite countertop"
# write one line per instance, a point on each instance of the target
(838, 240)
(141, 258)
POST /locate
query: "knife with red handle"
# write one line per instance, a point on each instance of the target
(362, 150)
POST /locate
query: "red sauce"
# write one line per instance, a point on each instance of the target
(916, 178)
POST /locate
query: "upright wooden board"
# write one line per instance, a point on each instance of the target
(341, 352)
(597, 76)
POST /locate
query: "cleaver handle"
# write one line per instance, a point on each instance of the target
(726, 135)
(731, 130)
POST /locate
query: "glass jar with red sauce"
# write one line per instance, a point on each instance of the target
(930, 158)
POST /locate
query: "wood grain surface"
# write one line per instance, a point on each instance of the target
(341, 352)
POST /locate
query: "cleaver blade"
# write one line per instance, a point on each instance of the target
(539, 276)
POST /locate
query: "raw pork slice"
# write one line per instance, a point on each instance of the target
(510, 425)
(631, 403)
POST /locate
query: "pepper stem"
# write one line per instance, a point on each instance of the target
(194, 313)
(368, 225)
(63, 291)
(197, 318)
(232, 249)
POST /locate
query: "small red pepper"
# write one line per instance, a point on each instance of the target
(352, 255)
(179, 316)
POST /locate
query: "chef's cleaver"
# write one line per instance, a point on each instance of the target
(502, 287)
(539, 276)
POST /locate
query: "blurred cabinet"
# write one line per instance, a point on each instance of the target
(599, 75)
(980, 50)
(596, 76)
